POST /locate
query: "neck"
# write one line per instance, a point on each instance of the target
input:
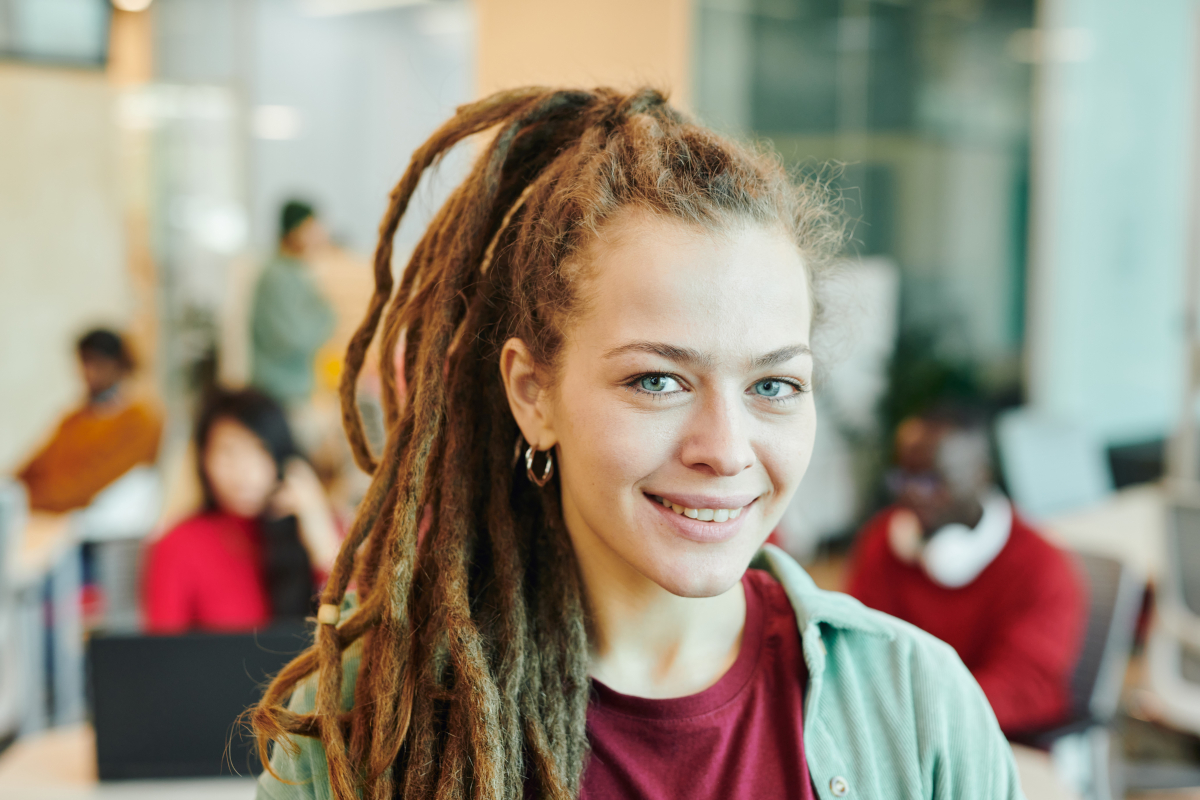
(288, 250)
(969, 510)
(107, 398)
(648, 642)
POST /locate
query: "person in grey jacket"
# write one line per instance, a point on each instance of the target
(562, 588)
(291, 319)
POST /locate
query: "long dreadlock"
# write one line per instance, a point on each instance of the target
(473, 675)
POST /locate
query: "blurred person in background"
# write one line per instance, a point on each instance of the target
(99, 442)
(265, 537)
(953, 557)
(291, 319)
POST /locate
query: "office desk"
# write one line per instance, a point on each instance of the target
(1129, 526)
(60, 764)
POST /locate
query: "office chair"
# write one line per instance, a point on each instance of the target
(1083, 745)
(114, 526)
(1173, 648)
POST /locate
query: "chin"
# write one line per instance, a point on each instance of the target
(701, 574)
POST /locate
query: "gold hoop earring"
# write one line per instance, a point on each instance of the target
(547, 472)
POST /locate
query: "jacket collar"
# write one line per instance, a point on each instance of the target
(814, 605)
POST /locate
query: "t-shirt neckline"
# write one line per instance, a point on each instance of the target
(726, 689)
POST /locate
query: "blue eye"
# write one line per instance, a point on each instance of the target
(774, 388)
(658, 384)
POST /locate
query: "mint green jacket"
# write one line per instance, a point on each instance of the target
(890, 711)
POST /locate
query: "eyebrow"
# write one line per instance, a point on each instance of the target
(693, 357)
(781, 355)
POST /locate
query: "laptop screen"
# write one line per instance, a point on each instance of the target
(168, 706)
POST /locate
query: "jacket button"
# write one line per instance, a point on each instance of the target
(839, 787)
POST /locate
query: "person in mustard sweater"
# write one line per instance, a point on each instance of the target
(98, 442)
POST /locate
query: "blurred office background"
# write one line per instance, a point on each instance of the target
(1020, 173)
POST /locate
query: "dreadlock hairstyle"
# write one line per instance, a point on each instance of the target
(474, 640)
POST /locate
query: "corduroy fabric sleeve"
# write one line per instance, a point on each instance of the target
(891, 713)
(965, 754)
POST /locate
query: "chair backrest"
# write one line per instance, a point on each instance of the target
(1182, 580)
(1050, 465)
(1114, 602)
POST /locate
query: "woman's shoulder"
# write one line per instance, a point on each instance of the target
(198, 524)
(193, 532)
(304, 698)
(300, 769)
(836, 616)
(882, 679)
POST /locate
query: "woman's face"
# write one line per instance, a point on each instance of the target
(682, 413)
(240, 470)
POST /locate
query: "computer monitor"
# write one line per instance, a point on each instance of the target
(168, 706)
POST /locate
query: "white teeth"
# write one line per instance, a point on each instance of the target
(702, 514)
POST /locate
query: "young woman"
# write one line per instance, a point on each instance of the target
(608, 369)
(265, 530)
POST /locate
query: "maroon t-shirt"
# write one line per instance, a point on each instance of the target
(740, 738)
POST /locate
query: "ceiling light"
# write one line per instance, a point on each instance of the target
(131, 5)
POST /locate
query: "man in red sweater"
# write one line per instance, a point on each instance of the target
(952, 557)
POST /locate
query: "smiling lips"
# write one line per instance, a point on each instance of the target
(702, 514)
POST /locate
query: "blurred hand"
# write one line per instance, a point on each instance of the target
(905, 535)
(301, 494)
(299, 491)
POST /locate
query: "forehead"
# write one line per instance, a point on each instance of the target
(738, 291)
(230, 431)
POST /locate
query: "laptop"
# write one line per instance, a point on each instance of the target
(168, 706)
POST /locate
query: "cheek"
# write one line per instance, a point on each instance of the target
(261, 476)
(217, 469)
(610, 446)
(786, 451)
(245, 475)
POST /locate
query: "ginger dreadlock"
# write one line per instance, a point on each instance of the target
(474, 643)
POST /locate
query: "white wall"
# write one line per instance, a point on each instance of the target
(367, 89)
(1110, 205)
(62, 250)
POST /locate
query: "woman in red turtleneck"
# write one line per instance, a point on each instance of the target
(264, 539)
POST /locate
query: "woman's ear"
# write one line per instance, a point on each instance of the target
(527, 397)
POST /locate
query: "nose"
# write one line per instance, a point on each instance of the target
(718, 437)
